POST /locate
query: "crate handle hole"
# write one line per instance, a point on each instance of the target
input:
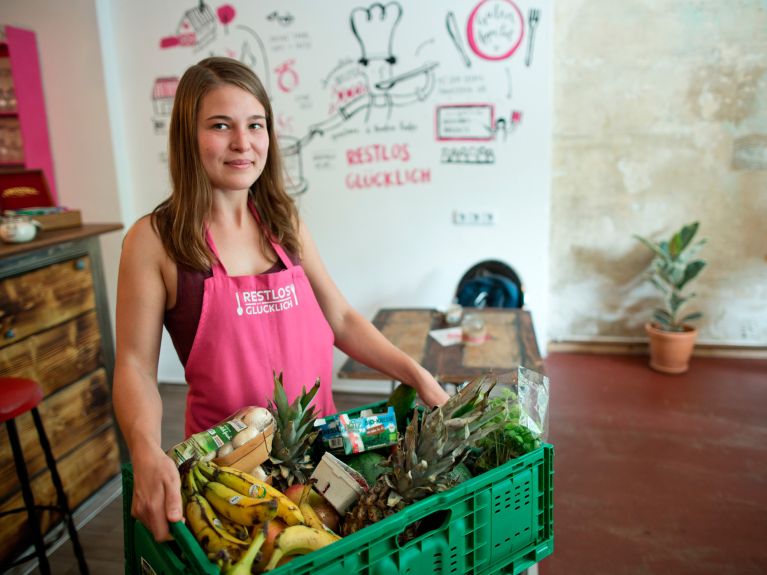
(421, 527)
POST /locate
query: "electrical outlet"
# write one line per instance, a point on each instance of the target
(474, 217)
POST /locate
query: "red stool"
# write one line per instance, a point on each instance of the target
(17, 396)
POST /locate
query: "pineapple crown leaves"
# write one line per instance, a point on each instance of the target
(294, 424)
(437, 441)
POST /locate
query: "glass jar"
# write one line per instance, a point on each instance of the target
(474, 330)
(17, 229)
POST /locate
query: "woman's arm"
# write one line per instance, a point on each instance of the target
(357, 337)
(141, 296)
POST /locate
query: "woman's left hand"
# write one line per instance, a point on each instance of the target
(430, 391)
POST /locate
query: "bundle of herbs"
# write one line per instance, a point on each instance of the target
(511, 439)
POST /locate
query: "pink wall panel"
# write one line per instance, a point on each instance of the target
(25, 68)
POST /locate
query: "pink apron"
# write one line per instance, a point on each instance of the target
(249, 327)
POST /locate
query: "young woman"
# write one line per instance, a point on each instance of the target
(227, 265)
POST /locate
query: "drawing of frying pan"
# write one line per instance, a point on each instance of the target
(452, 29)
(394, 80)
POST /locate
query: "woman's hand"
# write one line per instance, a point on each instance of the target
(156, 492)
(429, 390)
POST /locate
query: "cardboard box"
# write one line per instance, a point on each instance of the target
(23, 189)
(59, 220)
(340, 484)
(253, 453)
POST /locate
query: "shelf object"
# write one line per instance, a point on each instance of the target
(55, 329)
(23, 124)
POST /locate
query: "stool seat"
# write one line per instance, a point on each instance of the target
(18, 395)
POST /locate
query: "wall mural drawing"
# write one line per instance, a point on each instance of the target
(393, 107)
(376, 80)
(209, 33)
(452, 29)
(495, 29)
(532, 23)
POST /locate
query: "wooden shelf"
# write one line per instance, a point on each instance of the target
(45, 239)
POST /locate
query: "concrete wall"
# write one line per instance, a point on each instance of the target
(660, 118)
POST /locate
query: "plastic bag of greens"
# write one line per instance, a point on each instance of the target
(524, 396)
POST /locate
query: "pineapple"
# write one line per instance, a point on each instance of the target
(433, 445)
(294, 435)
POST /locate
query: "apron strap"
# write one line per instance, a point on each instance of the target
(216, 266)
(286, 261)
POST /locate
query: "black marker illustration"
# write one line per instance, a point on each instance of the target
(423, 45)
(532, 21)
(455, 35)
(282, 19)
(374, 82)
(374, 29)
(468, 155)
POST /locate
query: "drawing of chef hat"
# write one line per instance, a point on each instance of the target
(374, 29)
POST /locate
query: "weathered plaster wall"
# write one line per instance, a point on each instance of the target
(660, 118)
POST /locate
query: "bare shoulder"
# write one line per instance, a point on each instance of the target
(143, 241)
(144, 261)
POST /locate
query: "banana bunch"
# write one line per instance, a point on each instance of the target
(299, 540)
(229, 513)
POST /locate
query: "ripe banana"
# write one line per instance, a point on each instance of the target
(299, 540)
(210, 516)
(246, 484)
(245, 565)
(239, 508)
(211, 541)
(235, 529)
(310, 517)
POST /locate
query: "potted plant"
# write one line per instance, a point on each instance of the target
(675, 264)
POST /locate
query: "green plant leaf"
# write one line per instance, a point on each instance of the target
(682, 238)
(691, 317)
(675, 302)
(662, 317)
(655, 248)
(692, 270)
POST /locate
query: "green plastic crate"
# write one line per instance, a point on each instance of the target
(500, 522)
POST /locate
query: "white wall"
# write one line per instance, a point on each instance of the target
(384, 247)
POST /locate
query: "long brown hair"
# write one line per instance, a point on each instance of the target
(180, 220)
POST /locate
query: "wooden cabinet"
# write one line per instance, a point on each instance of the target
(55, 329)
(24, 141)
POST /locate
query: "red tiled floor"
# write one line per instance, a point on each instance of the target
(658, 474)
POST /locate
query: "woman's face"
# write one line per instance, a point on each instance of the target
(232, 136)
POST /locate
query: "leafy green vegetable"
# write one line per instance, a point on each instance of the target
(510, 441)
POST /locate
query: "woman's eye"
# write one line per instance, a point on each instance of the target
(219, 126)
(256, 126)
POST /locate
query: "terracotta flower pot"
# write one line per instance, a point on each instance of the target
(670, 351)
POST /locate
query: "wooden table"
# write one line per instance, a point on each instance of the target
(511, 342)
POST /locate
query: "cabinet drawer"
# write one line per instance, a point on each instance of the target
(83, 471)
(71, 417)
(45, 297)
(58, 356)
